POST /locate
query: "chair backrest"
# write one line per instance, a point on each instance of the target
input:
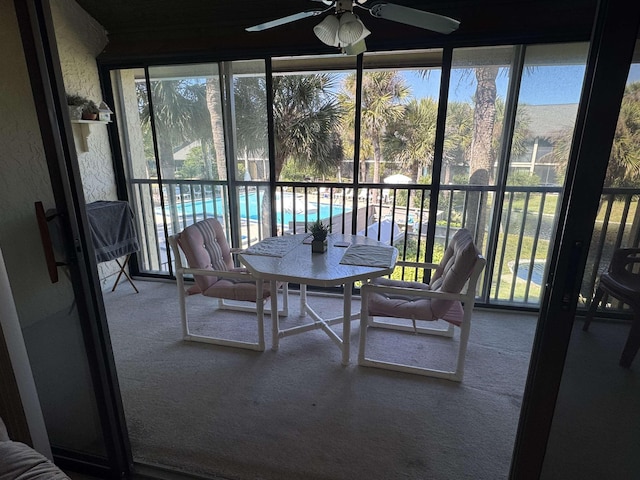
(625, 262)
(205, 246)
(458, 264)
(623, 277)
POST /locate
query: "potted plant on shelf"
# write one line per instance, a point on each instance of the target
(90, 110)
(76, 105)
(319, 232)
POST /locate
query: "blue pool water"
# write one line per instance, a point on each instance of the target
(536, 273)
(248, 206)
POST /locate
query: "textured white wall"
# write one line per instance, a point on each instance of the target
(80, 39)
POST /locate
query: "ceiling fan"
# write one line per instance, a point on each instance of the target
(344, 29)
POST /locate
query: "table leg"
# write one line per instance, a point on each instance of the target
(346, 323)
(303, 300)
(260, 313)
(275, 320)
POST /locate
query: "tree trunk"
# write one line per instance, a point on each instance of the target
(165, 151)
(206, 158)
(481, 158)
(417, 171)
(279, 159)
(217, 127)
(168, 172)
(377, 158)
(363, 170)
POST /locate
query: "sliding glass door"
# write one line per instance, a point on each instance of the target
(597, 401)
(63, 321)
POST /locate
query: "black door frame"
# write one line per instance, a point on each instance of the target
(39, 44)
(611, 49)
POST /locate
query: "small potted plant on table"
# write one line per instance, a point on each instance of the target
(319, 232)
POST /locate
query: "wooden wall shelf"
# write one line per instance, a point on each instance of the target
(84, 130)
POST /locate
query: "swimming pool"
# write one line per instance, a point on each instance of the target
(248, 206)
(537, 272)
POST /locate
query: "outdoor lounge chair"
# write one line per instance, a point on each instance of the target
(208, 255)
(385, 231)
(621, 281)
(450, 296)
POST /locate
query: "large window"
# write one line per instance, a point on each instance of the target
(547, 104)
(474, 136)
(398, 121)
(618, 222)
(313, 142)
(363, 151)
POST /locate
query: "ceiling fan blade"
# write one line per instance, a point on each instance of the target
(281, 21)
(417, 18)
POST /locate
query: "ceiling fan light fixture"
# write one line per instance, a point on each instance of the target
(327, 31)
(355, 48)
(351, 29)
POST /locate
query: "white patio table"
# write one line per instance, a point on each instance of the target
(349, 258)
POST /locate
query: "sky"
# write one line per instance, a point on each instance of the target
(542, 85)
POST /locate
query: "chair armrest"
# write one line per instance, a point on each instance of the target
(413, 292)
(235, 251)
(216, 273)
(426, 266)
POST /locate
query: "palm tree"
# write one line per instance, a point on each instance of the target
(521, 131)
(212, 90)
(179, 116)
(410, 140)
(457, 139)
(306, 116)
(624, 162)
(382, 95)
(250, 97)
(306, 121)
(481, 151)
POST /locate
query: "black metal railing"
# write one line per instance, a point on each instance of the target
(515, 236)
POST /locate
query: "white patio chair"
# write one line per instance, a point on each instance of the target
(208, 255)
(450, 296)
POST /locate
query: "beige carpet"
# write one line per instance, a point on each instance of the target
(298, 413)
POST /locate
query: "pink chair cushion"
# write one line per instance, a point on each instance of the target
(450, 276)
(454, 270)
(205, 246)
(408, 306)
(236, 289)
